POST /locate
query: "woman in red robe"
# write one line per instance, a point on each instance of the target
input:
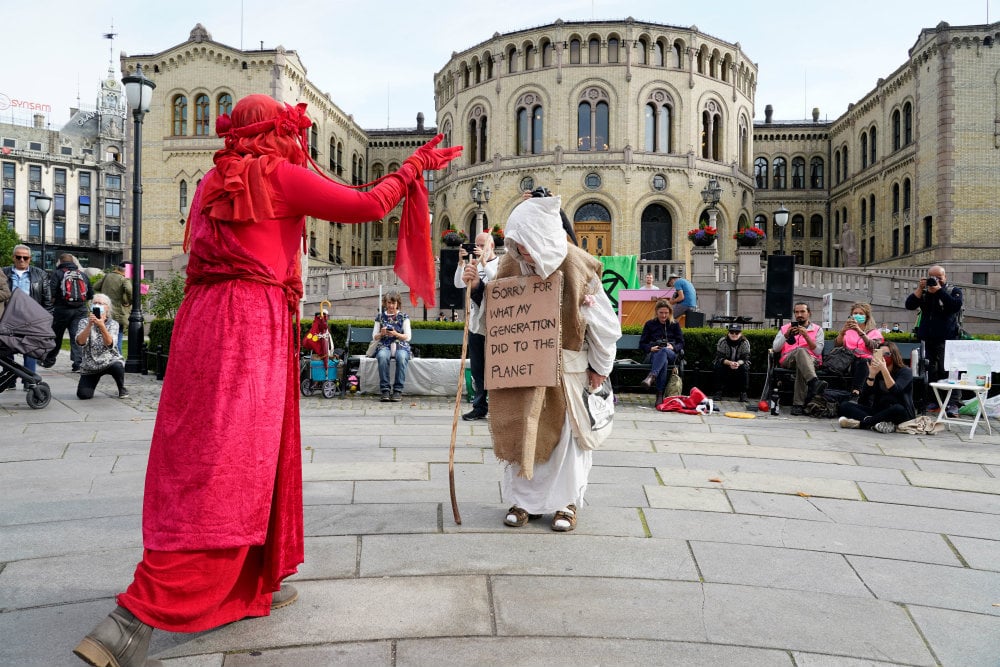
(222, 512)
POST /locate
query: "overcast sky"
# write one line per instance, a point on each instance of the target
(377, 58)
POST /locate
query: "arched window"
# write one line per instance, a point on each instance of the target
(711, 132)
(656, 235)
(895, 199)
(465, 75)
(529, 56)
(340, 158)
(906, 196)
(642, 51)
(836, 167)
(816, 173)
(780, 173)
(657, 53)
(594, 51)
(895, 130)
(816, 226)
(394, 228)
(333, 155)
(864, 150)
(678, 60)
(658, 132)
(844, 164)
(593, 121)
(613, 50)
(182, 196)
(377, 171)
(760, 221)
(477, 136)
(744, 156)
(574, 52)
(202, 115)
(907, 124)
(180, 116)
(224, 104)
(314, 142)
(798, 173)
(864, 211)
(511, 60)
(378, 229)
(529, 125)
(873, 141)
(798, 226)
(871, 210)
(760, 173)
(547, 51)
(489, 65)
(592, 212)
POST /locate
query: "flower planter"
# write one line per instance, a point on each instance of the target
(703, 242)
(452, 240)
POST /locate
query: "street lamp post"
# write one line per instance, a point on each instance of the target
(42, 204)
(480, 194)
(711, 196)
(781, 219)
(139, 92)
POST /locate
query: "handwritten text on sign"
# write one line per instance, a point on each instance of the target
(522, 331)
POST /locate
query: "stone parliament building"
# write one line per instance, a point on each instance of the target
(628, 121)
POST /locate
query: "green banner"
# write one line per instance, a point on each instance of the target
(620, 272)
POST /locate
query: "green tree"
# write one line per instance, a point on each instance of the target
(8, 239)
(165, 296)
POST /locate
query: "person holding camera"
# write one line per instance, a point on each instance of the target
(663, 340)
(97, 337)
(479, 271)
(887, 396)
(392, 331)
(799, 345)
(940, 306)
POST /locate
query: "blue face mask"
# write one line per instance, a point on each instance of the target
(860, 319)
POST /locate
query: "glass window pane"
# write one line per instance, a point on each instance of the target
(601, 139)
(583, 127)
(650, 128)
(536, 131)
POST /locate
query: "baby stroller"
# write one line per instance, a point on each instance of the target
(25, 328)
(317, 366)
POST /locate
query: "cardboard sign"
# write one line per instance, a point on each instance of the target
(523, 338)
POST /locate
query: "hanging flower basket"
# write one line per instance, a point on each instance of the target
(749, 237)
(703, 236)
(453, 237)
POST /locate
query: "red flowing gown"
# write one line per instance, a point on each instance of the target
(222, 511)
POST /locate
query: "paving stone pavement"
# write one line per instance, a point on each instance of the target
(705, 541)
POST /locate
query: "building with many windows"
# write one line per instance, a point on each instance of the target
(80, 166)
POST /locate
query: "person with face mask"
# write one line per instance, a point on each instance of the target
(861, 336)
(799, 345)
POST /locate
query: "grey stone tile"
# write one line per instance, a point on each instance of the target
(755, 452)
(930, 585)
(797, 534)
(622, 475)
(964, 452)
(314, 472)
(60, 538)
(777, 568)
(329, 558)
(648, 459)
(979, 554)
(346, 440)
(615, 495)
(747, 481)
(716, 613)
(468, 473)
(817, 660)
(880, 461)
(793, 468)
(45, 636)
(357, 653)
(927, 497)
(960, 639)
(773, 504)
(430, 491)
(940, 480)
(550, 651)
(953, 467)
(510, 553)
(591, 520)
(464, 454)
(688, 498)
(929, 519)
(327, 493)
(345, 455)
(324, 520)
(60, 579)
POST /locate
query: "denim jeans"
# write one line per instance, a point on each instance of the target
(660, 362)
(382, 356)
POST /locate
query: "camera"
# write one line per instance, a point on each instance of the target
(663, 342)
(97, 311)
(932, 281)
(469, 248)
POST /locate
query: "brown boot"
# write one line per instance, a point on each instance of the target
(659, 398)
(120, 640)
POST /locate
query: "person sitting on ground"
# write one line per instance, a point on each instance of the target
(97, 337)
(861, 336)
(663, 340)
(887, 397)
(732, 364)
(392, 331)
(799, 346)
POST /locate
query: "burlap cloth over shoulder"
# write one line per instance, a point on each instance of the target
(526, 422)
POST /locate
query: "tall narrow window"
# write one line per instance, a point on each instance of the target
(816, 226)
(895, 130)
(864, 150)
(529, 125)
(871, 210)
(864, 211)
(179, 116)
(547, 52)
(201, 116)
(779, 173)
(711, 132)
(906, 196)
(760, 173)
(593, 121)
(678, 59)
(594, 51)
(816, 173)
(798, 173)
(224, 104)
(613, 50)
(333, 155)
(873, 141)
(511, 60)
(895, 199)
(529, 56)
(658, 123)
(574, 52)
(641, 51)
(844, 163)
(658, 54)
(314, 142)
(182, 196)
(907, 124)
(836, 167)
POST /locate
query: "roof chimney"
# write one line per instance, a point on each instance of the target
(768, 113)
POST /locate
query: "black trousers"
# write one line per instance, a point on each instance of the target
(477, 364)
(88, 381)
(731, 381)
(63, 320)
(870, 416)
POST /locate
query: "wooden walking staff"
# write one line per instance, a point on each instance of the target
(458, 407)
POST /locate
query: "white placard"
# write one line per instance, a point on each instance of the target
(828, 310)
(961, 353)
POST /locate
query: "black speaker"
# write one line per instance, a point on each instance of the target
(780, 291)
(450, 296)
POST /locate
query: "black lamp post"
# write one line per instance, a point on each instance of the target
(480, 194)
(781, 219)
(711, 196)
(139, 92)
(43, 203)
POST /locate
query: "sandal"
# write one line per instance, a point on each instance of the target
(518, 516)
(564, 520)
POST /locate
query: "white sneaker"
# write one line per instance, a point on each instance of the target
(847, 422)
(884, 427)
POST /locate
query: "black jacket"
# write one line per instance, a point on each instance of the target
(938, 313)
(55, 282)
(41, 287)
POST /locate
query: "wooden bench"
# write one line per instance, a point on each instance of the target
(440, 373)
(630, 372)
(914, 355)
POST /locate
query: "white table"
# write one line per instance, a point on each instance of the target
(948, 388)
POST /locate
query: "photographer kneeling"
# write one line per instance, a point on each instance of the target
(97, 337)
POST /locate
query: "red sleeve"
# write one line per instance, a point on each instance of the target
(307, 193)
